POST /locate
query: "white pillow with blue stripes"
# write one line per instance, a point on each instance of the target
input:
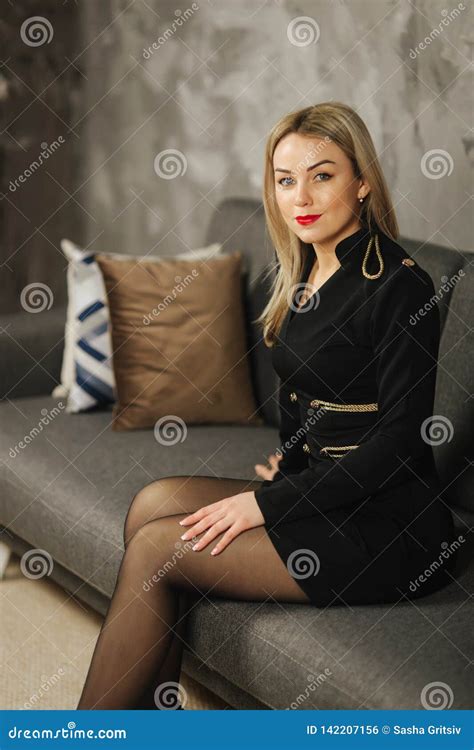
(87, 376)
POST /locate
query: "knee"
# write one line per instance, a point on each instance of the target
(149, 503)
(151, 552)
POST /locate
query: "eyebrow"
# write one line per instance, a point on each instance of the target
(313, 166)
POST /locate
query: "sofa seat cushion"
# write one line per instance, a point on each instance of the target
(366, 657)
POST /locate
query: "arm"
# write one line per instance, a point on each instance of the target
(406, 359)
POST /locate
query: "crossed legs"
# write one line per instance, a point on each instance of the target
(137, 657)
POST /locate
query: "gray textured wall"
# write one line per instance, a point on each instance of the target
(219, 77)
(216, 85)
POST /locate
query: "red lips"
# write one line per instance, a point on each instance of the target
(307, 219)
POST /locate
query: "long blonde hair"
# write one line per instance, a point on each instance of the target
(339, 123)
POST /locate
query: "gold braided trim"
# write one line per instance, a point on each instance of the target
(366, 257)
(329, 448)
(343, 407)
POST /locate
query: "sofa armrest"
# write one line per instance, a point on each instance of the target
(31, 352)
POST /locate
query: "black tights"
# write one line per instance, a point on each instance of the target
(137, 658)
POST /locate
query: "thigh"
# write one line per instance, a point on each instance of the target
(249, 568)
(180, 494)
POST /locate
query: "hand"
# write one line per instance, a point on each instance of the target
(232, 514)
(264, 471)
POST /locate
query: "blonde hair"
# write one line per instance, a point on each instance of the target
(339, 123)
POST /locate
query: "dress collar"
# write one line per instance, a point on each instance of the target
(348, 251)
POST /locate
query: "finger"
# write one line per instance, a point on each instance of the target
(263, 471)
(275, 460)
(226, 540)
(202, 525)
(215, 530)
(201, 513)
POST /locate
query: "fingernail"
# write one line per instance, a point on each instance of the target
(214, 552)
(183, 536)
(181, 522)
(195, 547)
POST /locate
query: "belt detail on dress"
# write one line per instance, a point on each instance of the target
(328, 450)
(343, 407)
(330, 406)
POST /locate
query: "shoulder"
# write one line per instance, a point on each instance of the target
(402, 275)
(403, 296)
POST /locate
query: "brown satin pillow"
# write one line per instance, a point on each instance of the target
(179, 346)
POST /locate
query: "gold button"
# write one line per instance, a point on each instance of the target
(306, 448)
(408, 262)
(293, 396)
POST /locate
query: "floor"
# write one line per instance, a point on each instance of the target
(47, 640)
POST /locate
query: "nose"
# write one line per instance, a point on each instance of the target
(302, 197)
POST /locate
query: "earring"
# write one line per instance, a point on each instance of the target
(361, 200)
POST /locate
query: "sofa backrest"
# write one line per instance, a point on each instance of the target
(240, 225)
(31, 346)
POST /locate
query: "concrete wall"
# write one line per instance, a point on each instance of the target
(217, 78)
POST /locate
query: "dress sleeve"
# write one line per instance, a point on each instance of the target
(405, 333)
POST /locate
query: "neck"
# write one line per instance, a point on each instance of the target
(325, 251)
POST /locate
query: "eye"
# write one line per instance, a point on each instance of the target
(280, 182)
(323, 174)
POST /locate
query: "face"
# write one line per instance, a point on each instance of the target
(314, 178)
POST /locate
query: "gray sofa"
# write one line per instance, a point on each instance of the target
(69, 490)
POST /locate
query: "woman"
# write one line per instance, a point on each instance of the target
(350, 511)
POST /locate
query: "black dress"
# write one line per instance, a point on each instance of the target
(356, 510)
